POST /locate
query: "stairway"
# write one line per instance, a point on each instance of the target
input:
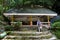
(31, 28)
(29, 35)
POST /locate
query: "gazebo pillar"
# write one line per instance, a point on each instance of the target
(12, 19)
(48, 18)
(31, 21)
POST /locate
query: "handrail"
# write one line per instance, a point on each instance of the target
(44, 24)
(41, 22)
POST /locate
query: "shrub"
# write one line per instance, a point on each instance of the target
(57, 33)
(17, 25)
(57, 20)
(8, 28)
(1, 9)
(56, 25)
(9, 32)
(56, 29)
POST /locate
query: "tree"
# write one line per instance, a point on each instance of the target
(56, 6)
(2, 17)
(19, 3)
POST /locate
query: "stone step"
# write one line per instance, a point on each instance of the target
(27, 32)
(16, 35)
(40, 36)
(32, 28)
(30, 34)
(28, 39)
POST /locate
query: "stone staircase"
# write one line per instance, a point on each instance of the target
(32, 28)
(29, 35)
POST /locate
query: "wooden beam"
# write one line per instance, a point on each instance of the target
(34, 14)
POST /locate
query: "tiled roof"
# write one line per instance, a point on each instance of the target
(29, 10)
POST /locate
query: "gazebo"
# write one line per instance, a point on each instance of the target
(29, 16)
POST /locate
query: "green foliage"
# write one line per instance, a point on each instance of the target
(9, 32)
(56, 24)
(1, 9)
(57, 20)
(12, 3)
(1, 18)
(56, 29)
(27, 2)
(49, 2)
(24, 2)
(18, 24)
(1, 1)
(56, 33)
(8, 28)
(19, 2)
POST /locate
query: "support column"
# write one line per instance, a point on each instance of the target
(12, 19)
(48, 18)
(42, 19)
(30, 20)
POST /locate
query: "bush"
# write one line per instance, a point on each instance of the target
(57, 20)
(8, 28)
(9, 32)
(1, 9)
(17, 25)
(56, 25)
(57, 33)
(56, 29)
